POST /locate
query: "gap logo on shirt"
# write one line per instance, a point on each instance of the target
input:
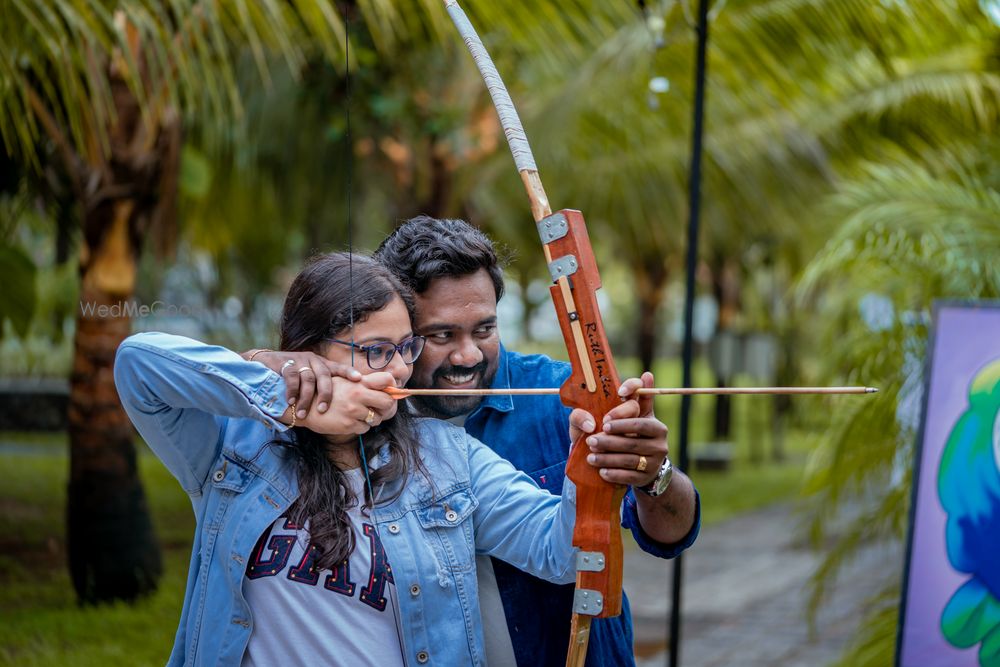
(271, 557)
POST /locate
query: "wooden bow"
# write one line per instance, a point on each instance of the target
(594, 382)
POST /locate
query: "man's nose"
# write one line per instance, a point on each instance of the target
(466, 353)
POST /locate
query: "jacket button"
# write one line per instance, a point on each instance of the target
(415, 590)
(393, 528)
(422, 657)
(451, 515)
(218, 476)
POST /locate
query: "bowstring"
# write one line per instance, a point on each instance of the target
(350, 233)
(350, 274)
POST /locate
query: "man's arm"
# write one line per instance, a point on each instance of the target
(308, 377)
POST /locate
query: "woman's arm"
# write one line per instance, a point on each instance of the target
(178, 392)
(520, 523)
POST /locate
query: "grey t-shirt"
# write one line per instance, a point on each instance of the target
(303, 616)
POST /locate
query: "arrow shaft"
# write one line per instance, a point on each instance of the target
(651, 391)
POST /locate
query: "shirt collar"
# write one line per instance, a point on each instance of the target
(499, 402)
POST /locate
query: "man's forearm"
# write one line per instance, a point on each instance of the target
(669, 517)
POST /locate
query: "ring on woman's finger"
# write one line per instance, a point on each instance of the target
(370, 419)
(305, 368)
(290, 362)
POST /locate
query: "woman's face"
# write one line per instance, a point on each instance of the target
(389, 325)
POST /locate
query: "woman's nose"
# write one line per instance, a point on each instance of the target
(399, 369)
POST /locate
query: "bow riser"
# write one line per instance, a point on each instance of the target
(593, 386)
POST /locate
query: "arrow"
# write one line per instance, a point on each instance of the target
(400, 393)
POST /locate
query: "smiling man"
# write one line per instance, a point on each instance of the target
(457, 277)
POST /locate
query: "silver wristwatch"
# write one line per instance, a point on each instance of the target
(660, 483)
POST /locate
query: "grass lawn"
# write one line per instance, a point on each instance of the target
(40, 623)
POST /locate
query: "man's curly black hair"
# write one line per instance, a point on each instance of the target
(424, 248)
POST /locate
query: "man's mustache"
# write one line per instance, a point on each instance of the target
(479, 369)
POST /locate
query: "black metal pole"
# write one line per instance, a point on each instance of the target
(694, 212)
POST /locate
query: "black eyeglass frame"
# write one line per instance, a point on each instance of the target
(389, 355)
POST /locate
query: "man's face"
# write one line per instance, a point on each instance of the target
(459, 318)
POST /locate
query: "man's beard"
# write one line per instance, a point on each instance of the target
(446, 407)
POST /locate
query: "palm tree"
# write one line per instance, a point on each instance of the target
(101, 92)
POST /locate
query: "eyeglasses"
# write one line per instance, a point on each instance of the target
(380, 354)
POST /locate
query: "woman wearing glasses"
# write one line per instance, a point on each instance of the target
(346, 537)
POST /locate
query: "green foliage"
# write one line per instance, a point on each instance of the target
(196, 173)
(53, 53)
(17, 299)
(920, 229)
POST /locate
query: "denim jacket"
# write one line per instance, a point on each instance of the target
(211, 417)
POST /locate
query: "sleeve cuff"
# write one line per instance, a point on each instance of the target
(269, 398)
(630, 520)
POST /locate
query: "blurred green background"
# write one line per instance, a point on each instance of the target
(180, 160)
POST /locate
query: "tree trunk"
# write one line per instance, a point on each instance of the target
(651, 281)
(113, 552)
(726, 289)
(523, 277)
(124, 186)
(787, 374)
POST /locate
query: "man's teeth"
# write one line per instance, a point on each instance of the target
(459, 379)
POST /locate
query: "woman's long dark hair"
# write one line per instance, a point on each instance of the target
(331, 294)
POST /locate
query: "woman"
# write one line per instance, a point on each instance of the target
(315, 545)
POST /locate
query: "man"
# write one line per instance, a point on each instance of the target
(454, 271)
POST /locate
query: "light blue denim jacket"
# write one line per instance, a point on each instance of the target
(211, 418)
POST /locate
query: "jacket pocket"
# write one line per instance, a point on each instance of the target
(447, 523)
(550, 478)
(230, 475)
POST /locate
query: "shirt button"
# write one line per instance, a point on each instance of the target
(415, 590)
(393, 528)
(219, 475)
(422, 657)
(451, 515)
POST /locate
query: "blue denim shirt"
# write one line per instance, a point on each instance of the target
(532, 432)
(211, 418)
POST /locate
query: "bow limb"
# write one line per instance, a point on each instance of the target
(593, 382)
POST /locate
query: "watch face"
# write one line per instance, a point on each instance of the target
(664, 481)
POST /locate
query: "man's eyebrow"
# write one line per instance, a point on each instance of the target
(446, 326)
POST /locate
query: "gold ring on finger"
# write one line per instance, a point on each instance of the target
(641, 465)
(305, 368)
(370, 419)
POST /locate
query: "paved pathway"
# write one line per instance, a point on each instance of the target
(744, 597)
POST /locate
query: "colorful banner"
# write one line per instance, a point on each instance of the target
(950, 609)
